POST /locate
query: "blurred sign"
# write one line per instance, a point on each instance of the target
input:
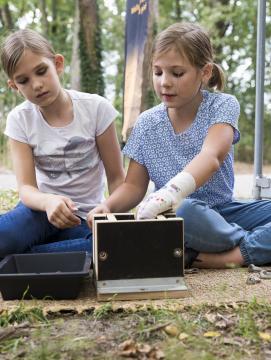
(137, 13)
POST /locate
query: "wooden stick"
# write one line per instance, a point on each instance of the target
(111, 217)
(161, 217)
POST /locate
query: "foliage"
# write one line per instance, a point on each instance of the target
(8, 200)
(232, 27)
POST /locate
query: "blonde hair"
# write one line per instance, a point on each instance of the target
(193, 43)
(15, 45)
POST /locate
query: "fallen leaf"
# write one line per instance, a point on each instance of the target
(265, 336)
(172, 330)
(222, 324)
(126, 344)
(183, 336)
(230, 341)
(234, 305)
(144, 348)
(131, 349)
(210, 317)
(211, 334)
(159, 354)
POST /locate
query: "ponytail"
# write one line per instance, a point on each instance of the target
(218, 79)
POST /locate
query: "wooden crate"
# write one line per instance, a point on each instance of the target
(138, 259)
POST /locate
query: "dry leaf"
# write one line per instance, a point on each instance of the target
(158, 355)
(126, 344)
(230, 341)
(211, 334)
(222, 324)
(172, 330)
(210, 317)
(130, 348)
(234, 305)
(183, 336)
(265, 336)
(144, 348)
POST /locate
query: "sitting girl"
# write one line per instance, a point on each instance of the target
(185, 146)
(61, 141)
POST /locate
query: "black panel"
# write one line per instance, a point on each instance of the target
(139, 249)
(124, 216)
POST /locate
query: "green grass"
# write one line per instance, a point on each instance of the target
(201, 332)
(236, 331)
(8, 199)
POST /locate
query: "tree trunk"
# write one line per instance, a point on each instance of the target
(147, 99)
(6, 16)
(90, 48)
(75, 62)
(45, 24)
(54, 17)
(178, 10)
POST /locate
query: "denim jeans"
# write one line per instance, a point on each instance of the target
(213, 230)
(245, 224)
(25, 230)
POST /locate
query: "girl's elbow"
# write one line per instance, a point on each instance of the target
(216, 163)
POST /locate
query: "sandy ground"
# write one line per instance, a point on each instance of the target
(206, 287)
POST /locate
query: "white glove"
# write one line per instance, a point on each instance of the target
(168, 197)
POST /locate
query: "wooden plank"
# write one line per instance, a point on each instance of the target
(111, 217)
(154, 295)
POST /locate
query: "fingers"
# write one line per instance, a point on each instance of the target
(62, 217)
(90, 219)
(71, 205)
(101, 209)
(154, 204)
(63, 221)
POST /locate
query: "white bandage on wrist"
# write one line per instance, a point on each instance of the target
(182, 185)
(168, 197)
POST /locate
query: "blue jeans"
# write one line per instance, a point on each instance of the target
(25, 230)
(245, 224)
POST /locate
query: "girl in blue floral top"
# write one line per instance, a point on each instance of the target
(185, 146)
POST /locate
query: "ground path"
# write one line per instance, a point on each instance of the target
(242, 189)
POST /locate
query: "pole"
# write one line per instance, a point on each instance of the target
(259, 102)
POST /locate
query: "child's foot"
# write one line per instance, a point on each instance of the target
(228, 259)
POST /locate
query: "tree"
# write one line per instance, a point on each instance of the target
(90, 47)
(231, 24)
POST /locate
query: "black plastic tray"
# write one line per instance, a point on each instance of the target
(41, 276)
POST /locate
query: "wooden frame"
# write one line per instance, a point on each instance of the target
(138, 259)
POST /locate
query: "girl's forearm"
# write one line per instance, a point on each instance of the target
(115, 183)
(202, 167)
(124, 198)
(33, 198)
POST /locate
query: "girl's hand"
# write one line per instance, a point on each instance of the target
(100, 209)
(168, 197)
(60, 211)
(156, 203)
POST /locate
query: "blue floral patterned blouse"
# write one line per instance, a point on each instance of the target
(154, 144)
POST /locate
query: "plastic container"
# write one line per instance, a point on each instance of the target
(43, 276)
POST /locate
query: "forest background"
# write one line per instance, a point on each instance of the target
(95, 59)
